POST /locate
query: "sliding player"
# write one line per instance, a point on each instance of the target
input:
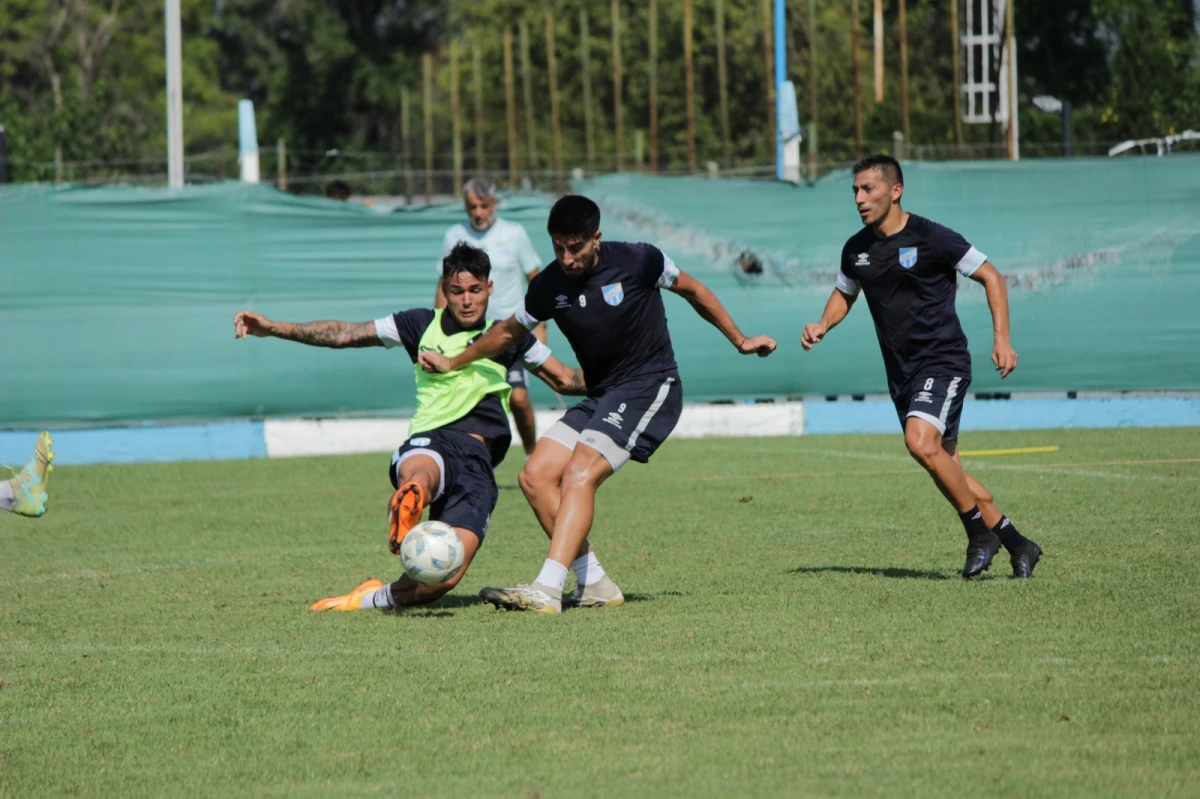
(460, 431)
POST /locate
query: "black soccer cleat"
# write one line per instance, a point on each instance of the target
(1024, 558)
(980, 552)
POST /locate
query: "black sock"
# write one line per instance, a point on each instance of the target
(1008, 534)
(974, 524)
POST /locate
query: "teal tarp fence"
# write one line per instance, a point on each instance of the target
(117, 303)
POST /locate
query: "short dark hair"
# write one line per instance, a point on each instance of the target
(337, 190)
(574, 215)
(465, 258)
(889, 167)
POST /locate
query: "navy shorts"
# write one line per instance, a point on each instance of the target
(467, 493)
(516, 376)
(627, 421)
(935, 397)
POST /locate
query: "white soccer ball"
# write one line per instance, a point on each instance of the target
(432, 553)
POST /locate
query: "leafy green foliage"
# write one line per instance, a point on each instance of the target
(87, 75)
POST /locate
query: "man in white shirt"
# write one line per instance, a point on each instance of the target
(514, 262)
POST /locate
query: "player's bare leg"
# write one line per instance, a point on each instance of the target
(1023, 553)
(924, 442)
(983, 497)
(583, 473)
(541, 482)
(523, 416)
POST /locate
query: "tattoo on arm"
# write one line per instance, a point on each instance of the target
(577, 386)
(333, 334)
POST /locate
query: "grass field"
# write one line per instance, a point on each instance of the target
(796, 627)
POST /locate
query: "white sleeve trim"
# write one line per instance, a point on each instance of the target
(669, 274)
(536, 355)
(523, 316)
(385, 329)
(846, 285)
(970, 262)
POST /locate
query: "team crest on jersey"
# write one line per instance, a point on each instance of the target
(908, 257)
(613, 294)
(419, 442)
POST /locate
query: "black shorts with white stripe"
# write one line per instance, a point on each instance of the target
(637, 415)
(935, 397)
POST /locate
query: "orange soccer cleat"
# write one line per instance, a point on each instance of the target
(404, 512)
(350, 601)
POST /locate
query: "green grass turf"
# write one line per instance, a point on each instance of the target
(796, 626)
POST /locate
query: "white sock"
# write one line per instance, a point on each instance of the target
(587, 568)
(381, 598)
(552, 575)
(7, 495)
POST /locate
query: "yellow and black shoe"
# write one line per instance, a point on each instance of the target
(29, 484)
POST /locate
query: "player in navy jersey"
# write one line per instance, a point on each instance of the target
(605, 298)
(906, 266)
(460, 432)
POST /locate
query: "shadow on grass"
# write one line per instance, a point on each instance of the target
(905, 574)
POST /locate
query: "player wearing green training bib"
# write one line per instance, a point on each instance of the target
(460, 432)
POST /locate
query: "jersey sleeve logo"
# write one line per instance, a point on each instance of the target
(613, 294)
(908, 257)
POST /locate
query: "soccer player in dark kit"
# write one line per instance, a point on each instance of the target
(906, 266)
(605, 299)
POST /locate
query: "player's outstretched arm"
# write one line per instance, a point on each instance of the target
(712, 311)
(560, 377)
(496, 340)
(1003, 355)
(835, 311)
(330, 333)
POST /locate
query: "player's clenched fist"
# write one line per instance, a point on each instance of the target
(246, 323)
(813, 332)
(434, 362)
(762, 346)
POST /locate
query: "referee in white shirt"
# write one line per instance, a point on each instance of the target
(514, 263)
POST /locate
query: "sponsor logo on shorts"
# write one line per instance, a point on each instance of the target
(514, 375)
(419, 442)
(562, 301)
(924, 396)
(614, 419)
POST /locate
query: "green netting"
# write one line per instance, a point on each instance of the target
(1102, 255)
(117, 303)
